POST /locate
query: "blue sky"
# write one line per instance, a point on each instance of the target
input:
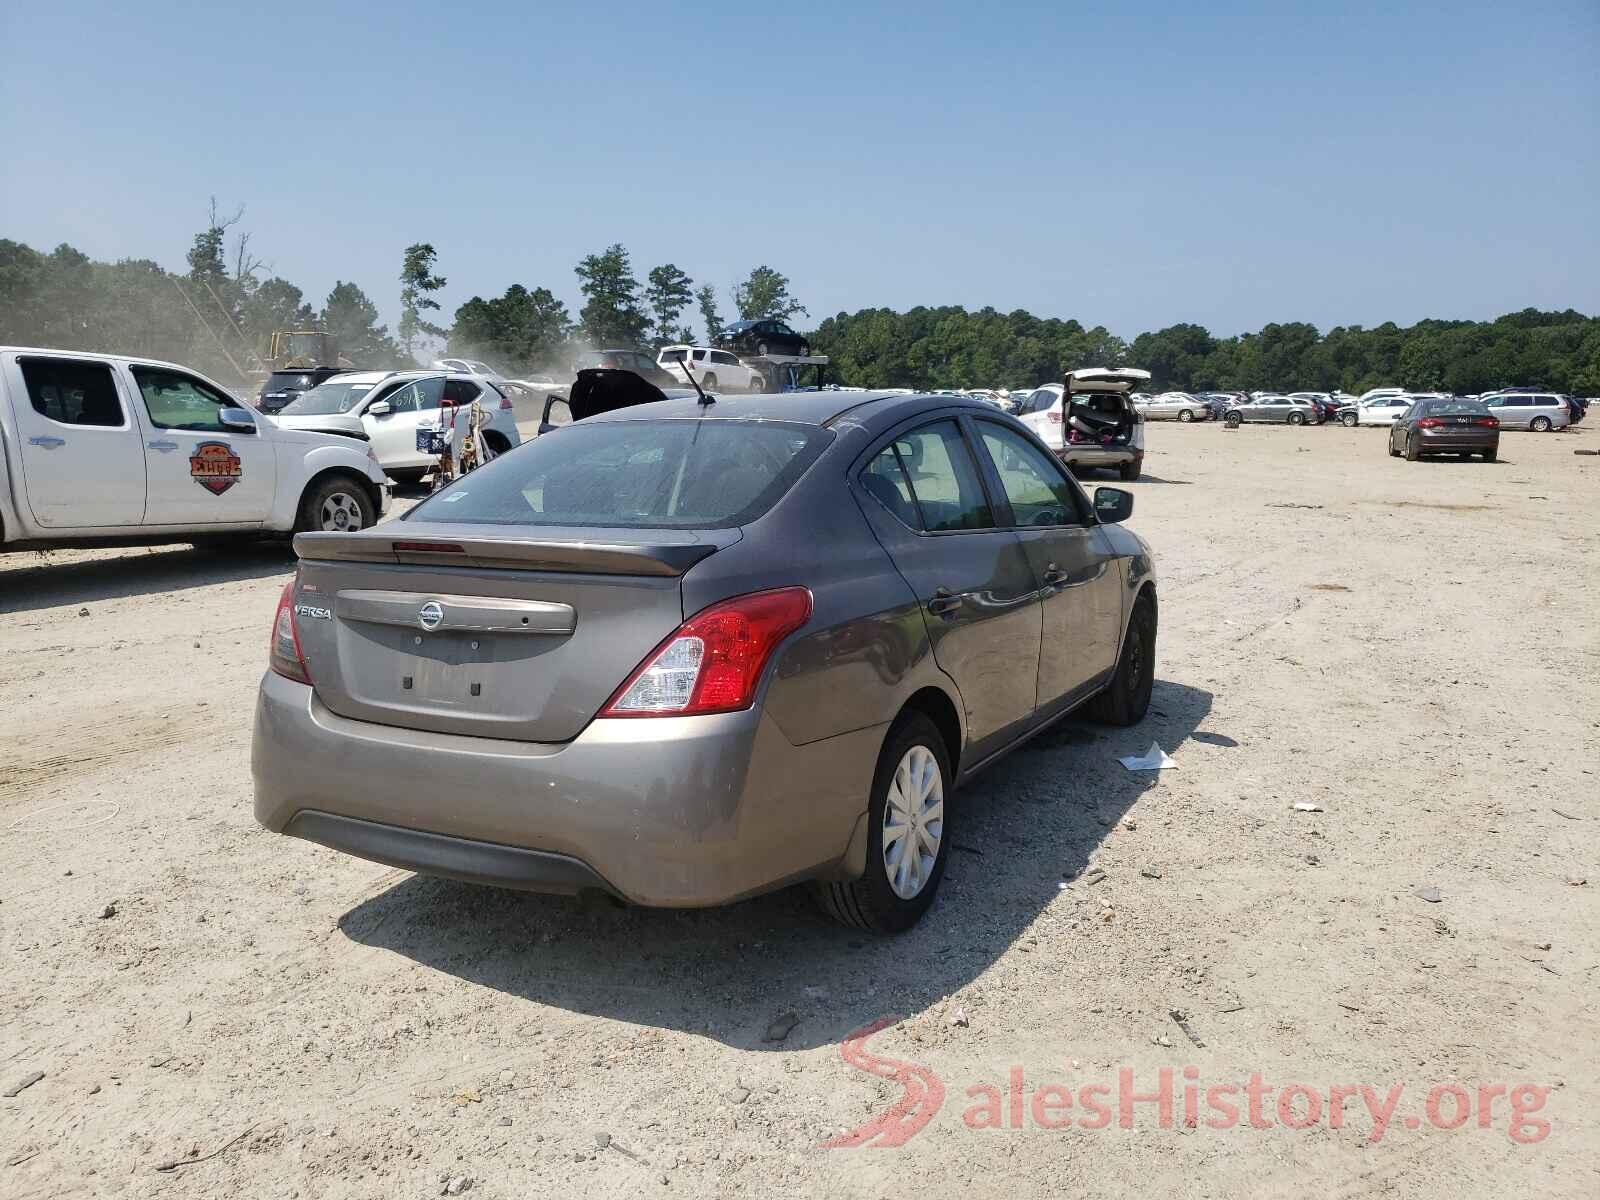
(1133, 165)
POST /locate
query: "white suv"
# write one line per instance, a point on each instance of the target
(712, 368)
(1090, 420)
(385, 408)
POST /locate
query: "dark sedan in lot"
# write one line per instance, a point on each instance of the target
(1464, 427)
(761, 338)
(686, 652)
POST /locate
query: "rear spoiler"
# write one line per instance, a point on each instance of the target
(513, 553)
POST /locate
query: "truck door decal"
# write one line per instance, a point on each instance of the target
(215, 467)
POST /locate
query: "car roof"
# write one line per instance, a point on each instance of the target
(805, 408)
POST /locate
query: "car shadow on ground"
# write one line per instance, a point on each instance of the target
(167, 568)
(1020, 830)
(1146, 477)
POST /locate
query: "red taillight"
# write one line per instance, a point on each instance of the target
(505, 402)
(1055, 416)
(714, 660)
(1487, 422)
(284, 655)
(1429, 423)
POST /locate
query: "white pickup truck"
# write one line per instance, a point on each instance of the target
(101, 448)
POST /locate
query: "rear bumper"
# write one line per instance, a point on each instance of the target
(676, 811)
(1429, 443)
(1100, 456)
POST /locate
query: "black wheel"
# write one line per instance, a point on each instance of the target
(1489, 455)
(908, 833)
(1127, 697)
(1185, 415)
(336, 504)
(1233, 420)
(1348, 420)
(1413, 451)
(1297, 418)
(710, 380)
(761, 350)
(1540, 424)
(1128, 472)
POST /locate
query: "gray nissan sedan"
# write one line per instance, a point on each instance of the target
(686, 652)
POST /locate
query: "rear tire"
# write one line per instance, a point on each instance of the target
(710, 380)
(1233, 420)
(872, 902)
(336, 504)
(1413, 451)
(761, 350)
(1489, 455)
(1297, 418)
(1127, 697)
(1540, 424)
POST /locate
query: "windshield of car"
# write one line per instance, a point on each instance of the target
(287, 381)
(671, 474)
(326, 398)
(1455, 408)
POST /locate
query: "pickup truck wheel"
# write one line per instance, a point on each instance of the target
(337, 504)
(1127, 697)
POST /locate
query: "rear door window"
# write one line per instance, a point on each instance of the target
(688, 474)
(884, 479)
(73, 393)
(944, 479)
(459, 391)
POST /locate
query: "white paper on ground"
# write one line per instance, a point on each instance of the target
(1153, 759)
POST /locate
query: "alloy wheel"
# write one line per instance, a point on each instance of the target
(913, 822)
(340, 513)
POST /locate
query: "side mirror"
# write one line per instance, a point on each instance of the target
(379, 409)
(1112, 505)
(237, 418)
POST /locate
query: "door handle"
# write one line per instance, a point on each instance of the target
(49, 443)
(1054, 575)
(944, 601)
(162, 446)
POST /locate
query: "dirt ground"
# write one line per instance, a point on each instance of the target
(1410, 647)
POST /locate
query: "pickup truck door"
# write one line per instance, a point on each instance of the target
(81, 449)
(200, 471)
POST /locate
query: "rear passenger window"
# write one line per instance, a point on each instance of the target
(73, 393)
(459, 391)
(944, 479)
(885, 481)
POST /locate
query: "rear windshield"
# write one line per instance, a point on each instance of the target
(288, 381)
(672, 474)
(331, 397)
(1455, 408)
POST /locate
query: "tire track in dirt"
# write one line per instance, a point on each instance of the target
(40, 771)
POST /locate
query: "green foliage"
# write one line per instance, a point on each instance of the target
(951, 347)
(670, 292)
(706, 299)
(521, 330)
(765, 294)
(612, 316)
(353, 320)
(417, 285)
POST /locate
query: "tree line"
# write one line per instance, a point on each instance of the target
(219, 312)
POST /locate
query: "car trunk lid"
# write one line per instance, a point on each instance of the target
(454, 629)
